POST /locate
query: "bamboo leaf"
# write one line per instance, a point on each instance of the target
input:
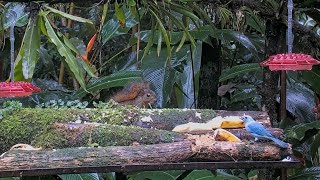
(120, 15)
(32, 45)
(159, 43)
(112, 27)
(84, 65)
(150, 39)
(239, 70)
(65, 52)
(164, 32)
(69, 16)
(180, 25)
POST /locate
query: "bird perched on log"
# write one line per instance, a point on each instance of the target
(259, 131)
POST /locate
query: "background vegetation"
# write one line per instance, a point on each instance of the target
(195, 54)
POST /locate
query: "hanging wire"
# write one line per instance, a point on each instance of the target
(289, 35)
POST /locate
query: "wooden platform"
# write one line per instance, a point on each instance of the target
(154, 167)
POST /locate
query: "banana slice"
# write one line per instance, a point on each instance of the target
(224, 135)
(192, 127)
(227, 122)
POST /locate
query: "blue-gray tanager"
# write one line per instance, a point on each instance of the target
(259, 131)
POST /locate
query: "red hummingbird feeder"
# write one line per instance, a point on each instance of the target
(15, 89)
(291, 62)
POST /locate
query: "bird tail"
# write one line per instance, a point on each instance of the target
(279, 143)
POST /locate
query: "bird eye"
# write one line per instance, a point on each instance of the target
(148, 95)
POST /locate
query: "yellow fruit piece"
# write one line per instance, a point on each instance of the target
(224, 135)
(226, 122)
(192, 127)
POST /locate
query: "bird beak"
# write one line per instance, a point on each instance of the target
(242, 117)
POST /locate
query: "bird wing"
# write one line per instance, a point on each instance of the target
(258, 129)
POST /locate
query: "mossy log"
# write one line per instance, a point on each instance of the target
(64, 135)
(197, 149)
(121, 136)
(34, 126)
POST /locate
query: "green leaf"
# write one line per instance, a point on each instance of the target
(190, 76)
(114, 80)
(244, 94)
(120, 15)
(64, 51)
(77, 46)
(226, 35)
(159, 42)
(299, 131)
(184, 11)
(255, 21)
(156, 175)
(31, 47)
(179, 24)
(86, 176)
(131, 2)
(202, 33)
(112, 27)
(42, 26)
(239, 70)
(164, 32)
(10, 178)
(69, 16)
(200, 175)
(314, 147)
(313, 78)
(308, 173)
(150, 39)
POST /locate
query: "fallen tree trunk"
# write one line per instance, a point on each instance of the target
(37, 126)
(76, 135)
(188, 150)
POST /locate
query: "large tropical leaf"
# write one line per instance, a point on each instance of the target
(175, 37)
(86, 176)
(307, 174)
(113, 28)
(156, 175)
(77, 46)
(239, 70)
(200, 175)
(115, 80)
(299, 131)
(31, 46)
(227, 35)
(190, 78)
(313, 78)
(65, 52)
(300, 102)
(69, 16)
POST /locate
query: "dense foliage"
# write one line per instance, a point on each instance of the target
(76, 51)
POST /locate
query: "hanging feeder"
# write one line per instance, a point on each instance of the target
(292, 62)
(17, 89)
(289, 61)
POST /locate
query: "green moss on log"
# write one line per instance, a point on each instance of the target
(77, 135)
